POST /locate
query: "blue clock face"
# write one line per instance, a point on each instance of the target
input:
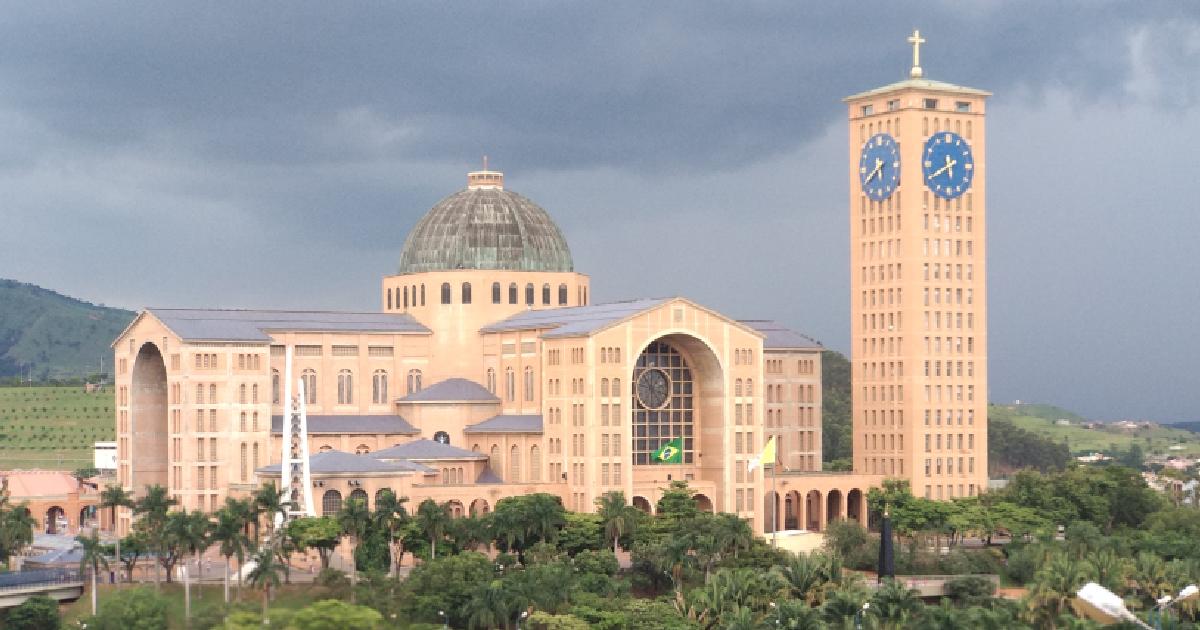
(948, 165)
(879, 166)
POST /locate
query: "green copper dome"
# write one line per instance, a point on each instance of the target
(485, 227)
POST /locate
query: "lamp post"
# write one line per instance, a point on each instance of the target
(445, 622)
(858, 616)
(524, 615)
(1191, 591)
(1100, 604)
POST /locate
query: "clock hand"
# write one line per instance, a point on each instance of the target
(878, 169)
(948, 167)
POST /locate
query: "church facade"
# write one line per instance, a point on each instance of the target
(488, 372)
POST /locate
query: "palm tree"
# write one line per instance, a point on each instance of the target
(391, 515)
(265, 575)
(618, 518)
(792, 614)
(843, 604)
(269, 500)
(506, 526)
(16, 528)
(490, 606)
(354, 518)
(894, 603)
(92, 556)
(433, 520)
(546, 516)
(1054, 586)
(112, 497)
(227, 532)
(153, 508)
(191, 533)
(736, 532)
(808, 576)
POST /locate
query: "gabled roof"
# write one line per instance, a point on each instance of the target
(487, 476)
(507, 424)
(254, 325)
(575, 320)
(334, 462)
(779, 336)
(920, 84)
(381, 423)
(452, 390)
(426, 450)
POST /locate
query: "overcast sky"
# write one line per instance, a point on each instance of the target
(276, 155)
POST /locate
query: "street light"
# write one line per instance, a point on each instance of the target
(524, 614)
(445, 622)
(1191, 591)
(1100, 604)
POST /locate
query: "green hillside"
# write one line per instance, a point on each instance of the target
(58, 336)
(53, 427)
(1041, 419)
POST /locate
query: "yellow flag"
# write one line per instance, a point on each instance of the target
(767, 456)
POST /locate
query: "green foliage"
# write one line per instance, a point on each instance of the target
(331, 614)
(545, 621)
(969, 589)
(848, 540)
(16, 528)
(836, 437)
(53, 427)
(138, 608)
(1013, 448)
(373, 552)
(444, 584)
(581, 532)
(36, 613)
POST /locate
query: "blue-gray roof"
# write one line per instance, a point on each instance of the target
(251, 325)
(452, 389)
(507, 424)
(335, 462)
(577, 320)
(779, 336)
(487, 476)
(423, 449)
(383, 423)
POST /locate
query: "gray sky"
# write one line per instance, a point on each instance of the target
(275, 155)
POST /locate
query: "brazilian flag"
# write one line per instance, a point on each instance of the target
(669, 453)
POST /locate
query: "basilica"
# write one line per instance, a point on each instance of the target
(488, 372)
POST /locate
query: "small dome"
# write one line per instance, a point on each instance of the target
(485, 227)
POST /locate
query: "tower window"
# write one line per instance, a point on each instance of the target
(512, 293)
(529, 294)
(466, 293)
(495, 293)
(562, 295)
(546, 294)
(405, 298)
(445, 293)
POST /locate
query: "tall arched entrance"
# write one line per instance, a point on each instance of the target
(149, 420)
(854, 506)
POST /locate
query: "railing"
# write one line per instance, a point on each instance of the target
(24, 579)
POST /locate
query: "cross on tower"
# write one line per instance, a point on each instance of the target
(916, 40)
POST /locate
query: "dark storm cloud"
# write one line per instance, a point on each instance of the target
(276, 154)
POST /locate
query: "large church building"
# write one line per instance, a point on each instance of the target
(488, 372)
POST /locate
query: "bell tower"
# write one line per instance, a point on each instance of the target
(918, 282)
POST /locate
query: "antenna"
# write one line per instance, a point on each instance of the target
(294, 458)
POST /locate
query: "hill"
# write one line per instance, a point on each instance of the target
(1080, 439)
(59, 337)
(53, 427)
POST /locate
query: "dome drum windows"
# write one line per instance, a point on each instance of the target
(466, 293)
(496, 293)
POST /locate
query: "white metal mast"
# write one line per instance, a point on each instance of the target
(294, 458)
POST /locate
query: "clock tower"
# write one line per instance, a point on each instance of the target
(918, 283)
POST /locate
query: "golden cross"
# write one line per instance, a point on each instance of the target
(916, 40)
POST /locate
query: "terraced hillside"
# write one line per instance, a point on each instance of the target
(52, 427)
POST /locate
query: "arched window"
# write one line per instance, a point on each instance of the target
(616, 388)
(494, 459)
(276, 394)
(243, 421)
(512, 293)
(406, 298)
(510, 385)
(379, 387)
(491, 381)
(254, 393)
(749, 387)
(381, 494)
(603, 387)
(242, 393)
(546, 294)
(495, 293)
(331, 503)
(514, 464)
(445, 293)
(737, 387)
(414, 381)
(529, 294)
(466, 293)
(325, 448)
(528, 383)
(535, 463)
(389, 299)
(212, 393)
(656, 418)
(345, 382)
(562, 295)
(254, 460)
(362, 449)
(309, 377)
(245, 463)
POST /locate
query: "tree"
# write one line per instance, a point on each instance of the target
(391, 514)
(265, 575)
(331, 614)
(1054, 585)
(433, 520)
(270, 501)
(131, 609)
(894, 603)
(797, 615)
(112, 497)
(322, 533)
(91, 557)
(836, 435)
(36, 613)
(808, 577)
(153, 509)
(444, 584)
(618, 518)
(190, 531)
(490, 606)
(354, 518)
(16, 528)
(134, 546)
(845, 537)
(231, 540)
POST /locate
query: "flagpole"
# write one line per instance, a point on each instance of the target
(774, 508)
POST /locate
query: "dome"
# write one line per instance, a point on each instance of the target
(485, 227)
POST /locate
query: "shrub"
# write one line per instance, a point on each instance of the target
(36, 613)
